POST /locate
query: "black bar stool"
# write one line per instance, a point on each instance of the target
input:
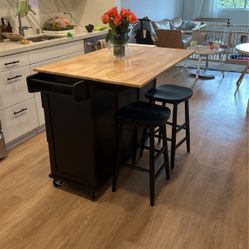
(175, 95)
(146, 116)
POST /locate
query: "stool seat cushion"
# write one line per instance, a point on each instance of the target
(169, 93)
(143, 114)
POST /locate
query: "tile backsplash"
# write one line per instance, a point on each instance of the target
(83, 12)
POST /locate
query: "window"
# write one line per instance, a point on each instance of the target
(234, 4)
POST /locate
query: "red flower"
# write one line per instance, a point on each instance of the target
(117, 20)
(112, 12)
(124, 18)
(132, 18)
(105, 18)
(125, 12)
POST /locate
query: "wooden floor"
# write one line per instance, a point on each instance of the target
(203, 206)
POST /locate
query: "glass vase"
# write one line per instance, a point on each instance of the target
(119, 42)
(118, 50)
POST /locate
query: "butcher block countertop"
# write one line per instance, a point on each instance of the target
(142, 65)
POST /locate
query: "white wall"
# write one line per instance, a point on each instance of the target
(236, 16)
(83, 11)
(155, 10)
(87, 11)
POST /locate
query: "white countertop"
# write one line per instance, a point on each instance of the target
(9, 47)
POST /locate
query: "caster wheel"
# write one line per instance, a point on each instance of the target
(57, 183)
(93, 196)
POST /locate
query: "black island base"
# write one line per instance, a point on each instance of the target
(81, 129)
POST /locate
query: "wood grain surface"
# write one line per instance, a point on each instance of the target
(203, 206)
(141, 66)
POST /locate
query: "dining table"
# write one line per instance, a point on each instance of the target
(80, 97)
(244, 50)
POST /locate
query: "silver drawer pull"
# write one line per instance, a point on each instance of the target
(22, 110)
(92, 44)
(15, 77)
(10, 63)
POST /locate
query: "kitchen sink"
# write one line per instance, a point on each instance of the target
(43, 38)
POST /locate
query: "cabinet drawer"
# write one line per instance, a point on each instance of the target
(13, 87)
(47, 53)
(19, 119)
(64, 57)
(40, 111)
(13, 61)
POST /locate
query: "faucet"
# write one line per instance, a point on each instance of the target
(22, 28)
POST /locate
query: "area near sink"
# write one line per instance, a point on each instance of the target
(8, 47)
(41, 38)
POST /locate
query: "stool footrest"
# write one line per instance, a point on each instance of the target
(147, 147)
(138, 168)
(179, 127)
(181, 142)
(147, 170)
(160, 169)
(159, 153)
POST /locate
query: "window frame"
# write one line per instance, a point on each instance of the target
(245, 8)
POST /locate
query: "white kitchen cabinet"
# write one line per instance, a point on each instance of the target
(21, 113)
(19, 119)
(13, 87)
(57, 51)
(13, 61)
(17, 107)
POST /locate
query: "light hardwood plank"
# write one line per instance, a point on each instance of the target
(203, 206)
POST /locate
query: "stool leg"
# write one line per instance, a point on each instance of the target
(116, 167)
(160, 131)
(173, 141)
(152, 167)
(187, 125)
(134, 153)
(143, 142)
(166, 156)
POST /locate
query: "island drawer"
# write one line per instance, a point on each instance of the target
(58, 84)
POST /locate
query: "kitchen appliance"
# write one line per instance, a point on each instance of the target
(3, 150)
(89, 28)
(93, 43)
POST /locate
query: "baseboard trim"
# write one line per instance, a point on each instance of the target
(25, 137)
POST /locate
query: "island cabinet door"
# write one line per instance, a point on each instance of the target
(106, 99)
(70, 136)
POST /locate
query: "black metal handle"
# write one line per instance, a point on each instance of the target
(10, 63)
(15, 77)
(22, 110)
(57, 84)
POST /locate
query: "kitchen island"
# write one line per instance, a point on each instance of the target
(80, 97)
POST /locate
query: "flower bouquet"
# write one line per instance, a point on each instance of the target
(118, 28)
